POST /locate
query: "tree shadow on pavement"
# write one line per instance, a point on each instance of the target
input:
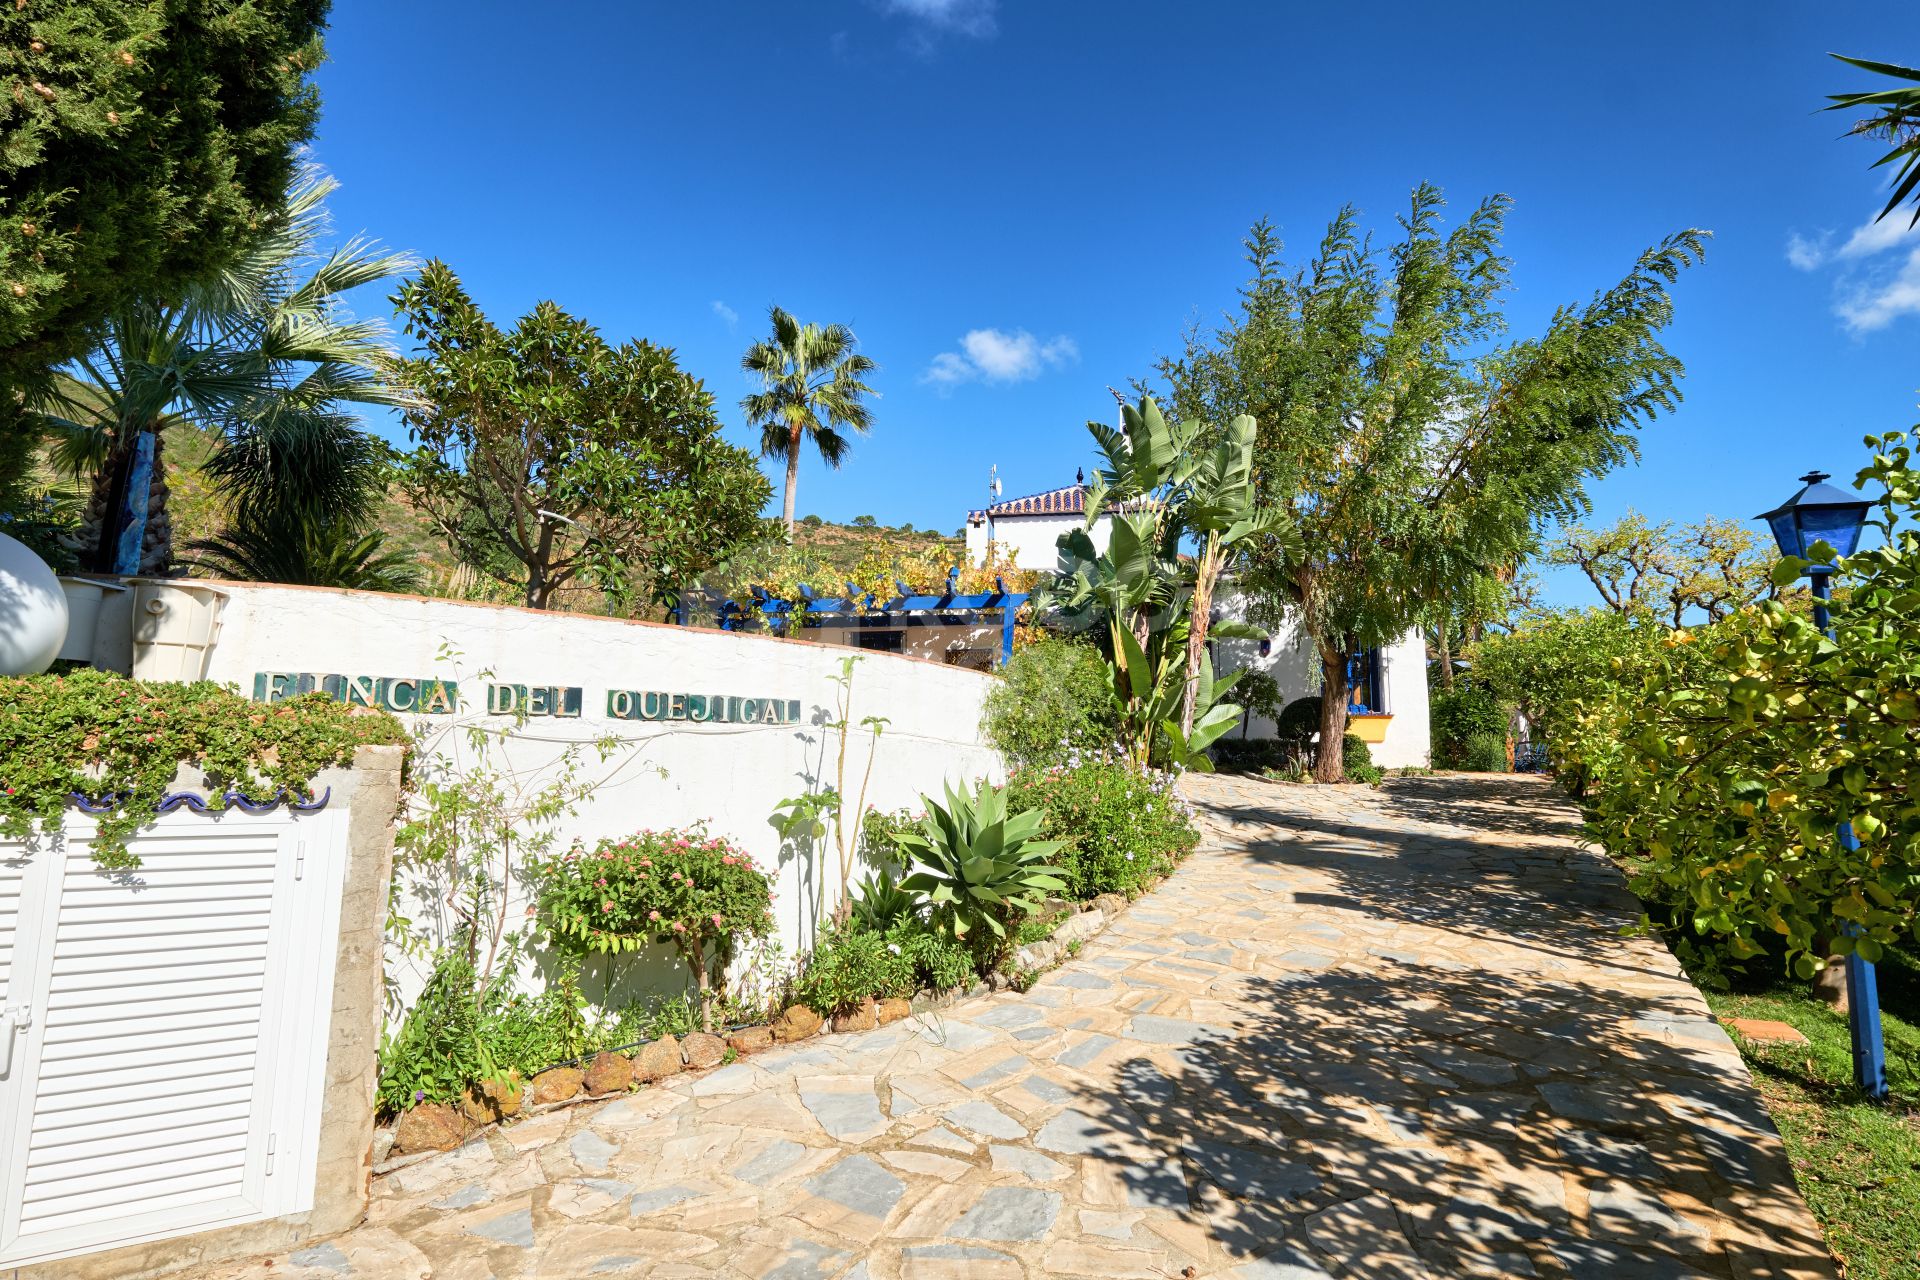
(1374, 1118)
(1527, 804)
(1559, 1109)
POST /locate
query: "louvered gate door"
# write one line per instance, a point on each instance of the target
(175, 1017)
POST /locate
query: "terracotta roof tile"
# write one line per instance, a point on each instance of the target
(1068, 500)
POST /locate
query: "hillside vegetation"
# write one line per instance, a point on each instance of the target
(824, 554)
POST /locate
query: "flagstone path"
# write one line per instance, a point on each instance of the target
(1364, 1034)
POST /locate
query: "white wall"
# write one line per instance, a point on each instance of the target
(1031, 542)
(1410, 735)
(1295, 666)
(729, 775)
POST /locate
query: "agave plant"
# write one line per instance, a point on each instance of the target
(883, 903)
(975, 865)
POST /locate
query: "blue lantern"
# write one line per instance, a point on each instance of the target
(1819, 512)
(1822, 513)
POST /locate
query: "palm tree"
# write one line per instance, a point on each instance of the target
(262, 354)
(309, 553)
(811, 388)
(1895, 119)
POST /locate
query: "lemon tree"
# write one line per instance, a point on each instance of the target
(1731, 782)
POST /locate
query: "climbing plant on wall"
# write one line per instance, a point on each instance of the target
(118, 744)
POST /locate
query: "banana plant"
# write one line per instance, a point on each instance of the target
(1136, 580)
(1129, 587)
(975, 865)
(1222, 513)
(1148, 460)
(1166, 483)
(1206, 718)
(1156, 695)
(1127, 583)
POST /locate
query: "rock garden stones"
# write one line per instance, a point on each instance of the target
(557, 1084)
(701, 1050)
(750, 1040)
(892, 1010)
(431, 1126)
(1080, 927)
(1043, 954)
(657, 1061)
(862, 1017)
(492, 1100)
(797, 1023)
(610, 1073)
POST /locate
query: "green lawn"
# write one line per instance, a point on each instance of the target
(1858, 1164)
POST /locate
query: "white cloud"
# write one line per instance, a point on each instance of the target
(948, 370)
(1877, 300)
(726, 313)
(1806, 254)
(1869, 292)
(1867, 240)
(1016, 356)
(999, 355)
(974, 18)
(1891, 232)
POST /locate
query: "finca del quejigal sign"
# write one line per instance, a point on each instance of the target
(430, 695)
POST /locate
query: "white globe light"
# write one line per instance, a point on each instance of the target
(33, 611)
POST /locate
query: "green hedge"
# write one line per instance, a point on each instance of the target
(1461, 715)
(1118, 827)
(1052, 700)
(101, 734)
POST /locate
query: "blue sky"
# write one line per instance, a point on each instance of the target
(1016, 204)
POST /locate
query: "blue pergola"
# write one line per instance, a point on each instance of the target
(859, 609)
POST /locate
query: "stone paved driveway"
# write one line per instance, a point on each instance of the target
(1360, 1034)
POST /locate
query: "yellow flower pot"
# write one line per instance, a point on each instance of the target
(1370, 729)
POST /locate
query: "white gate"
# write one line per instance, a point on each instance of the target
(163, 1031)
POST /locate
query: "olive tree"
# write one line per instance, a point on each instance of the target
(1704, 570)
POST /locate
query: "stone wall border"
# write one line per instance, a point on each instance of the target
(621, 1073)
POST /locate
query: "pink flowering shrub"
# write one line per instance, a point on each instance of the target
(696, 891)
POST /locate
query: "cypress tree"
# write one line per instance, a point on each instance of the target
(141, 146)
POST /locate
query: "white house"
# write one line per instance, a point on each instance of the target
(1391, 683)
(1027, 531)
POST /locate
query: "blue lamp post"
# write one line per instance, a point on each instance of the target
(1819, 512)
